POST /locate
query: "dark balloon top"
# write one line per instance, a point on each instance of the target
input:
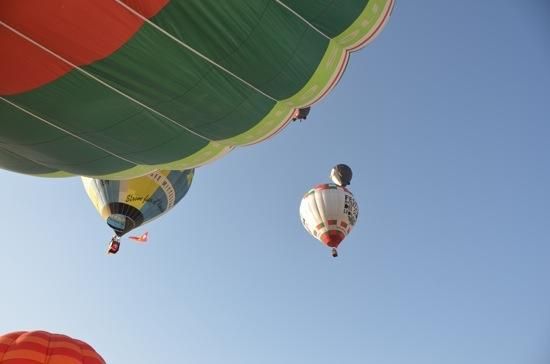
(341, 174)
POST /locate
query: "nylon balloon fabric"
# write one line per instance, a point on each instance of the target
(328, 212)
(41, 347)
(116, 89)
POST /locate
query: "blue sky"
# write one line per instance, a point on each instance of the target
(445, 121)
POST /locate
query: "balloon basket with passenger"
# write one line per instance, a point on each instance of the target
(114, 245)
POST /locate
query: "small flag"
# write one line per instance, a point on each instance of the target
(140, 239)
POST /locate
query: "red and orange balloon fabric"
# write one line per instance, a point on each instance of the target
(41, 347)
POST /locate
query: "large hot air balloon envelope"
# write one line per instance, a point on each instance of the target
(329, 212)
(127, 204)
(116, 89)
(41, 347)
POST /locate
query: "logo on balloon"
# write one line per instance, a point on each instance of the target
(351, 209)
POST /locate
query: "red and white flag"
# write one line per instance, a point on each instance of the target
(140, 239)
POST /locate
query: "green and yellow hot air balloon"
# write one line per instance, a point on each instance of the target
(116, 89)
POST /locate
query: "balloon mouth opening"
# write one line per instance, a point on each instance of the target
(122, 217)
(120, 223)
(332, 238)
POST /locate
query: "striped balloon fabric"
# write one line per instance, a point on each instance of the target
(41, 347)
(116, 89)
(329, 212)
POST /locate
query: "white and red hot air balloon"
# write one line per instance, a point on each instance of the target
(329, 212)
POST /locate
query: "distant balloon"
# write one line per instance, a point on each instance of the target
(329, 212)
(301, 114)
(127, 204)
(41, 347)
(341, 174)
